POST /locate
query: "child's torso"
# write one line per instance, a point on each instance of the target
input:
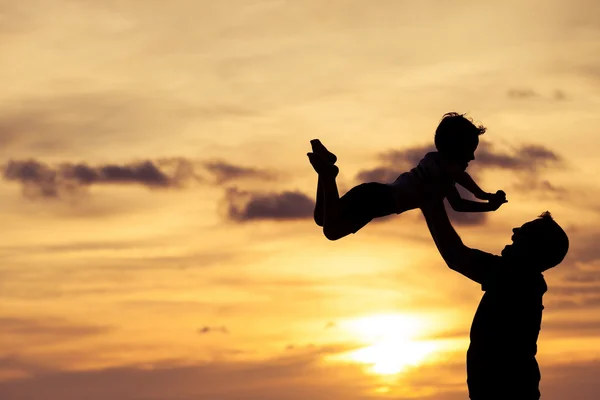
(432, 177)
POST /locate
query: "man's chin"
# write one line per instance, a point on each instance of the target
(506, 250)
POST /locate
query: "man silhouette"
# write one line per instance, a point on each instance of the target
(501, 360)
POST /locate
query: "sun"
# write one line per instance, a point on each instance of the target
(392, 344)
(393, 356)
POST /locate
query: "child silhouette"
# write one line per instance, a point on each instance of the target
(456, 139)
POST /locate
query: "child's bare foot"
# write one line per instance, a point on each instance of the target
(322, 167)
(320, 149)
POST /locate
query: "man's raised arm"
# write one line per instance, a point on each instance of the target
(458, 256)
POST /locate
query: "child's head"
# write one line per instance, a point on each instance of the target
(458, 137)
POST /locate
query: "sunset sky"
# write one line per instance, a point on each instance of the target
(158, 241)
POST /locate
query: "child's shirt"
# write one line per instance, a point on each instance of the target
(432, 177)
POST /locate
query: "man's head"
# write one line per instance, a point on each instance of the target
(457, 137)
(541, 243)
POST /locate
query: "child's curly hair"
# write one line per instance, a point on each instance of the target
(454, 129)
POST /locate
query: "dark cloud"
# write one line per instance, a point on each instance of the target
(529, 158)
(288, 205)
(42, 180)
(224, 172)
(210, 329)
(53, 181)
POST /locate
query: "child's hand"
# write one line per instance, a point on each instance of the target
(499, 196)
(497, 199)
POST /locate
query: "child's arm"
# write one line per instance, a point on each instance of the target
(462, 205)
(465, 180)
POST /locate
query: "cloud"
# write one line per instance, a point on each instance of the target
(42, 180)
(526, 93)
(224, 172)
(246, 206)
(530, 158)
(522, 93)
(299, 374)
(44, 331)
(577, 283)
(573, 328)
(582, 264)
(208, 329)
(544, 187)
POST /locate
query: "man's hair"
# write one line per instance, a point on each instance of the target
(454, 129)
(553, 241)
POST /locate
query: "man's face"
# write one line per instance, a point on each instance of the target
(523, 241)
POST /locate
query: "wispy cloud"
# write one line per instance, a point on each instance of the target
(527, 93)
(42, 180)
(224, 172)
(213, 329)
(45, 331)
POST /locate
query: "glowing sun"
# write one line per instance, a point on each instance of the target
(392, 343)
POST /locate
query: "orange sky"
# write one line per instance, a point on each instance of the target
(183, 262)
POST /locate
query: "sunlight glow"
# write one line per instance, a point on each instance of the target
(393, 356)
(393, 343)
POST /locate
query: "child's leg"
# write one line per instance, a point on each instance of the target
(348, 214)
(328, 198)
(319, 204)
(320, 149)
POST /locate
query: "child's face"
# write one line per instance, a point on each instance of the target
(465, 153)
